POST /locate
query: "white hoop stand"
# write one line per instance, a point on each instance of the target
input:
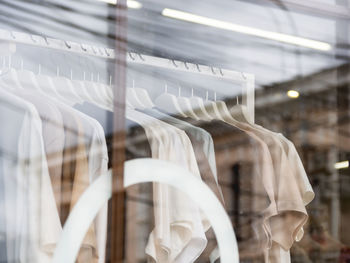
(141, 171)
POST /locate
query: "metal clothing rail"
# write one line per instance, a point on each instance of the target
(246, 80)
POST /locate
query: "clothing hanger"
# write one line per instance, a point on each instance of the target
(109, 91)
(28, 79)
(10, 77)
(240, 113)
(46, 84)
(82, 90)
(105, 89)
(223, 110)
(143, 96)
(212, 108)
(185, 106)
(169, 103)
(94, 92)
(75, 88)
(197, 105)
(65, 88)
(140, 93)
(102, 91)
(133, 99)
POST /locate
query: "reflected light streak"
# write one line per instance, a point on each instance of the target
(131, 3)
(341, 165)
(289, 39)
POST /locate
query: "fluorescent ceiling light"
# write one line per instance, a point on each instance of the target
(130, 3)
(299, 41)
(341, 165)
(293, 94)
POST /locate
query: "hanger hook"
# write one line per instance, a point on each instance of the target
(141, 57)
(133, 58)
(33, 39)
(176, 66)
(82, 47)
(186, 66)
(220, 70)
(12, 35)
(45, 38)
(67, 45)
(199, 70)
(237, 100)
(215, 96)
(212, 70)
(108, 54)
(244, 77)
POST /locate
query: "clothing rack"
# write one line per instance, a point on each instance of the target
(246, 80)
(8, 41)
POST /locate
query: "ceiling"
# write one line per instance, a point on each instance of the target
(271, 61)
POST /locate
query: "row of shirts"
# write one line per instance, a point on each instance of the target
(279, 178)
(51, 152)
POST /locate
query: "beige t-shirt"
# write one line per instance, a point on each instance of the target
(294, 192)
(286, 214)
(264, 185)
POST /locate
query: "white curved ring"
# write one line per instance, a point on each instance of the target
(141, 171)
(152, 170)
(87, 207)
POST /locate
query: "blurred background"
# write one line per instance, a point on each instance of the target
(302, 90)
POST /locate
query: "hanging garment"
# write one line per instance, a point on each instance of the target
(178, 235)
(287, 219)
(94, 142)
(32, 229)
(203, 147)
(296, 163)
(250, 148)
(136, 146)
(53, 138)
(98, 165)
(83, 134)
(293, 188)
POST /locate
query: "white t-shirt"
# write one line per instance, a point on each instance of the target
(36, 207)
(179, 233)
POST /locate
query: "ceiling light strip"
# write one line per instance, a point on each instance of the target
(299, 41)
